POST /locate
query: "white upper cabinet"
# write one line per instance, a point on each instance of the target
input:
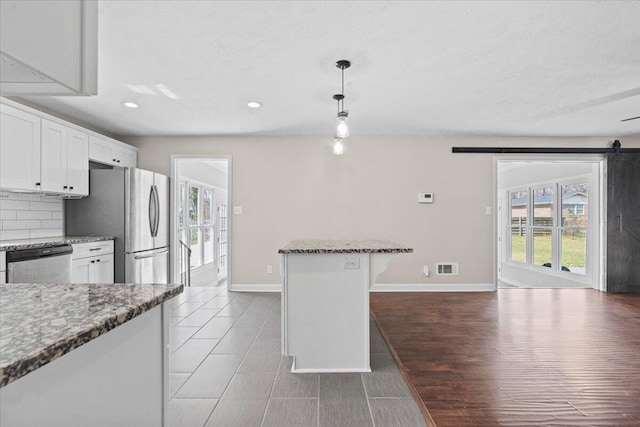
(43, 154)
(48, 47)
(78, 163)
(19, 149)
(54, 157)
(102, 150)
(65, 160)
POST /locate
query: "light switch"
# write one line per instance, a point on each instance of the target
(237, 210)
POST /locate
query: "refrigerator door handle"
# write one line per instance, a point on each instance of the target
(157, 222)
(152, 255)
(152, 211)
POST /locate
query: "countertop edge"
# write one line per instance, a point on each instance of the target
(346, 251)
(71, 240)
(32, 362)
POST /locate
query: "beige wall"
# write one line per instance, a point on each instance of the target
(294, 187)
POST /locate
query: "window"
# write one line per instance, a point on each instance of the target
(575, 209)
(542, 234)
(518, 232)
(197, 201)
(573, 242)
(542, 229)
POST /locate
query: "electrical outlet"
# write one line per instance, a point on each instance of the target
(237, 210)
(487, 210)
(269, 269)
(425, 270)
(425, 197)
(352, 263)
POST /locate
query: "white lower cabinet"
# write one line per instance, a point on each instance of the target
(90, 268)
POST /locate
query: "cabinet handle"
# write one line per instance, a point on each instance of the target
(97, 260)
(114, 160)
(118, 161)
(71, 188)
(37, 184)
(93, 262)
(95, 249)
(64, 187)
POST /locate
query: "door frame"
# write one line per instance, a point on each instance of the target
(600, 231)
(175, 158)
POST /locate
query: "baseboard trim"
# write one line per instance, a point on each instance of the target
(255, 287)
(405, 287)
(434, 287)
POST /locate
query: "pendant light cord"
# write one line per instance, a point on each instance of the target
(342, 88)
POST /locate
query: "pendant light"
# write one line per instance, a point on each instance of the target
(342, 123)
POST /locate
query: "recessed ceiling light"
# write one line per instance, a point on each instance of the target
(254, 104)
(130, 104)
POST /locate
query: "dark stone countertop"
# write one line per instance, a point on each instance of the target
(13, 245)
(41, 322)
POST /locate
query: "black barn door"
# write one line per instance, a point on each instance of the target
(623, 222)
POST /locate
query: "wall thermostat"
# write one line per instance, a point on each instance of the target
(425, 197)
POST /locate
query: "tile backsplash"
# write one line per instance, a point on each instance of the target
(29, 216)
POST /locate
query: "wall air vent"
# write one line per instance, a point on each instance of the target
(447, 269)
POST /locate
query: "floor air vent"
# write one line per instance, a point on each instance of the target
(447, 269)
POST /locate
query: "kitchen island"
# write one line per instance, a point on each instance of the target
(325, 301)
(84, 354)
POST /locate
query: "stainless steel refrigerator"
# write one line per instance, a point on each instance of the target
(133, 206)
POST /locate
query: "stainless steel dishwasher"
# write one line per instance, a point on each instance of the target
(51, 264)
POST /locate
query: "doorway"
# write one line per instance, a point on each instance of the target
(550, 222)
(201, 225)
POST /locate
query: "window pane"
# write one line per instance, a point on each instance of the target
(207, 196)
(518, 204)
(208, 245)
(574, 250)
(543, 206)
(542, 246)
(195, 243)
(575, 198)
(181, 205)
(518, 244)
(193, 205)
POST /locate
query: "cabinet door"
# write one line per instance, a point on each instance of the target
(54, 157)
(19, 149)
(103, 268)
(125, 157)
(82, 270)
(101, 151)
(77, 163)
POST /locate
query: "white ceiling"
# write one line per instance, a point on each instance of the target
(419, 68)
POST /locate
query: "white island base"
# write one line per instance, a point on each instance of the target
(117, 379)
(325, 305)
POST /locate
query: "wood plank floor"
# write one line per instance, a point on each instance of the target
(519, 357)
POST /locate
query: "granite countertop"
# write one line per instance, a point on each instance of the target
(311, 246)
(41, 322)
(12, 245)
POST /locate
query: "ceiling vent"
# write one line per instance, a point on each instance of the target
(447, 269)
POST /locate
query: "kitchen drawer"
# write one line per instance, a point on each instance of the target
(83, 250)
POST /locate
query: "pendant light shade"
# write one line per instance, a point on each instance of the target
(338, 146)
(342, 122)
(342, 125)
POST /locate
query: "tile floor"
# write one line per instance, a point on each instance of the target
(226, 370)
